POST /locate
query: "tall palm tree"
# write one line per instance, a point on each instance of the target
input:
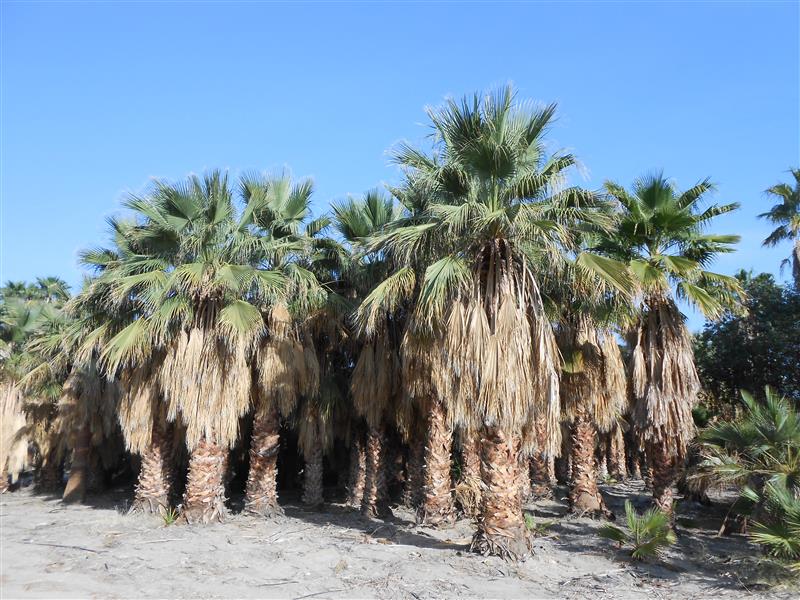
(483, 235)
(786, 215)
(201, 271)
(661, 235)
(286, 367)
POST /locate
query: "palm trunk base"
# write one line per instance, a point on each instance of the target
(312, 480)
(501, 524)
(75, 490)
(468, 490)
(358, 469)
(584, 495)
(437, 504)
(415, 477)
(664, 472)
(155, 476)
(204, 500)
(541, 487)
(261, 495)
(49, 479)
(375, 502)
(4, 481)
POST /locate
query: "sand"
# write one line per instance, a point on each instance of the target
(98, 551)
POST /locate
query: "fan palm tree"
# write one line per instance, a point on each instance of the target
(286, 367)
(786, 215)
(376, 374)
(661, 236)
(203, 274)
(485, 232)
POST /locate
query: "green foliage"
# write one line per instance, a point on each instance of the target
(754, 350)
(536, 528)
(646, 536)
(170, 516)
(786, 215)
(760, 452)
(662, 235)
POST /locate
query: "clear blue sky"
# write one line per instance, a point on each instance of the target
(97, 98)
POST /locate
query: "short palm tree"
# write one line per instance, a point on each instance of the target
(661, 236)
(786, 215)
(484, 233)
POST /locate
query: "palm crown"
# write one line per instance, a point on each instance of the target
(786, 215)
(661, 235)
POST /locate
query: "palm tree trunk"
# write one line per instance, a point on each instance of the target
(541, 486)
(261, 495)
(415, 478)
(563, 465)
(468, 489)
(75, 490)
(358, 470)
(601, 456)
(501, 525)
(664, 472)
(312, 473)
(437, 504)
(584, 495)
(4, 484)
(50, 479)
(616, 454)
(204, 500)
(375, 502)
(155, 476)
(796, 264)
(95, 474)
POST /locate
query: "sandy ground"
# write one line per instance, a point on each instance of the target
(97, 551)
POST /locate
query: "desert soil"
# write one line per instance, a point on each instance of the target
(98, 551)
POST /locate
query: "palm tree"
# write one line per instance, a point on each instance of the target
(376, 374)
(200, 272)
(660, 234)
(483, 235)
(286, 367)
(786, 215)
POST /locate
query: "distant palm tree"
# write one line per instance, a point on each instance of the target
(786, 215)
(661, 235)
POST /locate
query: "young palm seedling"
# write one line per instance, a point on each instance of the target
(647, 534)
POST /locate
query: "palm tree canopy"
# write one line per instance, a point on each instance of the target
(486, 211)
(786, 216)
(662, 235)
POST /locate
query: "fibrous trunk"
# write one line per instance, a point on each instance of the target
(261, 495)
(375, 502)
(563, 466)
(664, 471)
(602, 457)
(540, 475)
(616, 454)
(468, 490)
(155, 476)
(75, 490)
(584, 495)
(50, 479)
(204, 499)
(312, 475)
(415, 479)
(437, 504)
(4, 485)
(358, 470)
(501, 525)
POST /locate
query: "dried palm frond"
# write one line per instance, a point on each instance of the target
(664, 379)
(615, 399)
(206, 383)
(13, 441)
(140, 405)
(374, 384)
